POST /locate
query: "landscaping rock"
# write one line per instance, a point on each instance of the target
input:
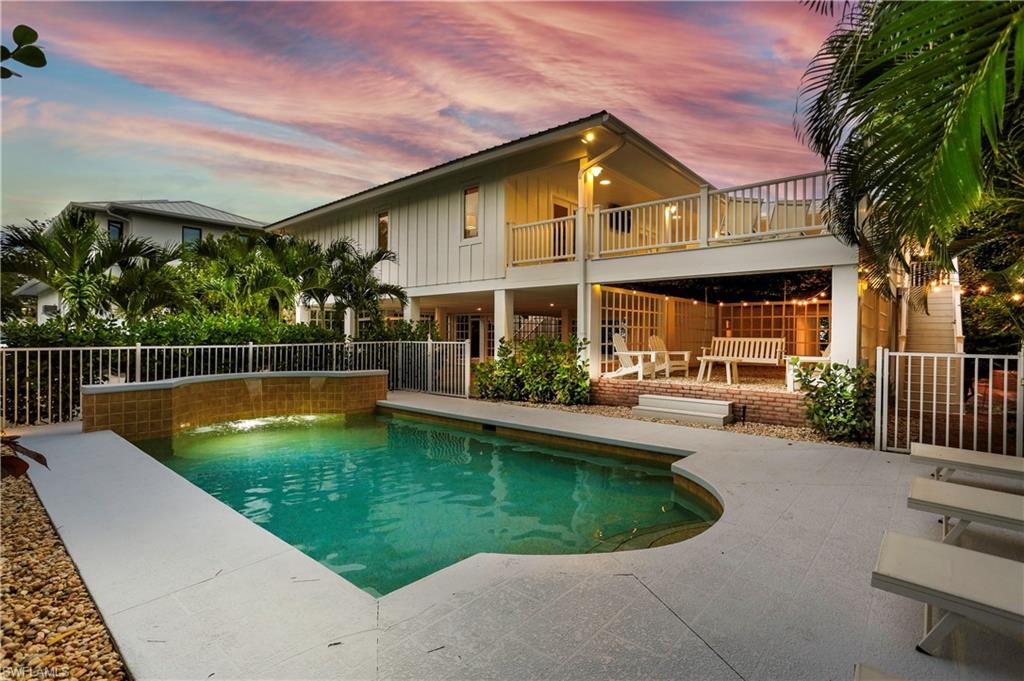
(51, 627)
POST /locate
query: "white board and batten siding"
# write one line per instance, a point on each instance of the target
(426, 231)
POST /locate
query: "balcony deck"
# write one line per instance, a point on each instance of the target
(784, 208)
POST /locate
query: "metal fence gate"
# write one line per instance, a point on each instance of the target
(960, 400)
(43, 385)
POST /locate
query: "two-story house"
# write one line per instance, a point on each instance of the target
(560, 232)
(162, 221)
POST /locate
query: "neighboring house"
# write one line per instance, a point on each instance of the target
(553, 232)
(162, 221)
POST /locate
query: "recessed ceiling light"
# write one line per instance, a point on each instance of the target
(605, 182)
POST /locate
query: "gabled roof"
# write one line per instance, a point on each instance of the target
(493, 153)
(188, 210)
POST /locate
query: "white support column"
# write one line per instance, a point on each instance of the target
(588, 323)
(348, 325)
(301, 312)
(504, 309)
(482, 337)
(411, 312)
(845, 323)
(441, 321)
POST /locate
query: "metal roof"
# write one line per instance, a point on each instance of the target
(179, 209)
(598, 118)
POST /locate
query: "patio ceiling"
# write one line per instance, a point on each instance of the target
(737, 289)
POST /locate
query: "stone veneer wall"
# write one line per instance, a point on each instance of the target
(138, 412)
(782, 408)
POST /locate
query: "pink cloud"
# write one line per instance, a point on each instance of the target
(391, 88)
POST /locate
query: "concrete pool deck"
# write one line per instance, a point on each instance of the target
(778, 588)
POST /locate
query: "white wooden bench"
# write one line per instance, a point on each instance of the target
(954, 583)
(735, 351)
(948, 459)
(967, 504)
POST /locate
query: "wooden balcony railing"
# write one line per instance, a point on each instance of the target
(785, 208)
(544, 241)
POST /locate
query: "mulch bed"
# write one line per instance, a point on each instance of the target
(51, 627)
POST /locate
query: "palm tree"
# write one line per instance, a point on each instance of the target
(241, 274)
(151, 285)
(75, 258)
(356, 286)
(909, 104)
(316, 284)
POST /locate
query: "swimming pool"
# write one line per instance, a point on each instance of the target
(384, 500)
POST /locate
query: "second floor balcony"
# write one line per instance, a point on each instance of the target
(784, 208)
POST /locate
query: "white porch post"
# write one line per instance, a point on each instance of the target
(441, 321)
(411, 312)
(301, 312)
(348, 322)
(588, 323)
(845, 323)
(504, 309)
(482, 337)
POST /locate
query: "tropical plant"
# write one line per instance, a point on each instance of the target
(542, 369)
(355, 285)
(11, 451)
(150, 286)
(839, 400)
(12, 306)
(908, 104)
(399, 329)
(318, 283)
(75, 258)
(241, 274)
(25, 51)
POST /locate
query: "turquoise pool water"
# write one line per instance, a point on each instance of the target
(384, 501)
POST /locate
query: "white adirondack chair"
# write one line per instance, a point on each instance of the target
(668, 360)
(630, 361)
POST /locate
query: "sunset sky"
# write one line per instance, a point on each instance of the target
(267, 109)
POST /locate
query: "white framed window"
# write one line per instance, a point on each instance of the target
(383, 226)
(471, 212)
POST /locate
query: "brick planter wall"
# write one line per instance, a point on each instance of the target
(780, 408)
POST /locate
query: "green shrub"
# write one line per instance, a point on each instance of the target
(839, 400)
(175, 329)
(539, 370)
(398, 329)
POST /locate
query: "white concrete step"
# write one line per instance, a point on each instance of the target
(681, 416)
(690, 404)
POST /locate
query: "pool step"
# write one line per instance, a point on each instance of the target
(684, 409)
(649, 537)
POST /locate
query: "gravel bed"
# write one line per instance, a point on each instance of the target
(51, 627)
(798, 434)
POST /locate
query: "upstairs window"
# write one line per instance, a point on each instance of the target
(115, 230)
(191, 235)
(383, 222)
(471, 218)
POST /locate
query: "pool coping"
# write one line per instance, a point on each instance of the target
(168, 383)
(237, 613)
